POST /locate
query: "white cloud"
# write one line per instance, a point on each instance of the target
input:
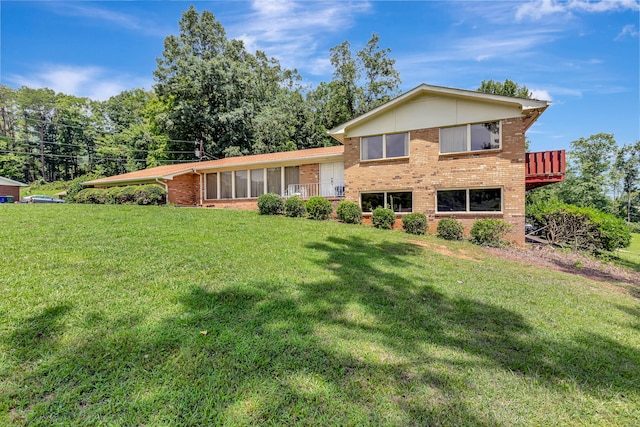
(627, 31)
(92, 82)
(122, 20)
(537, 9)
(540, 94)
(294, 31)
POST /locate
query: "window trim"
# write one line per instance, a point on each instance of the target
(469, 150)
(468, 202)
(384, 146)
(384, 192)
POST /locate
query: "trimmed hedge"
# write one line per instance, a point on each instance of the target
(150, 194)
(580, 228)
(294, 207)
(319, 208)
(415, 223)
(450, 229)
(383, 218)
(490, 232)
(349, 212)
(270, 204)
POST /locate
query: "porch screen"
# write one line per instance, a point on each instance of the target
(241, 185)
(291, 177)
(212, 186)
(257, 182)
(225, 185)
(273, 181)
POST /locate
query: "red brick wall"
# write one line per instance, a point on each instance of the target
(10, 190)
(310, 174)
(426, 171)
(184, 190)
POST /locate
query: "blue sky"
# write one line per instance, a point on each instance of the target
(581, 55)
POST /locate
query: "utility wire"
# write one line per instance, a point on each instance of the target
(95, 128)
(96, 156)
(22, 142)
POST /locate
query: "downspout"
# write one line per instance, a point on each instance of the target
(200, 187)
(166, 187)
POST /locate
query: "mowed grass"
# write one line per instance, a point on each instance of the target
(630, 257)
(130, 315)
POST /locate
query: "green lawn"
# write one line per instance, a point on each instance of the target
(630, 257)
(129, 315)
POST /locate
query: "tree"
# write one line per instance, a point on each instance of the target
(627, 168)
(508, 88)
(361, 82)
(587, 174)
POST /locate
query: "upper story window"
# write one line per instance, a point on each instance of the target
(472, 137)
(385, 146)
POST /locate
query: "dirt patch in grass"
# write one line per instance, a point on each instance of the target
(443, 250)
(570, 262)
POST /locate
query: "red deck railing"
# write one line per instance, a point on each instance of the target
(545, 167)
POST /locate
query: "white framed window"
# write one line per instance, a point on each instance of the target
(469, 200)
(471, 137)
(397, 201)
(386, 146)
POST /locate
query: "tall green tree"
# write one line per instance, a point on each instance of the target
(507, 88)
(627, 169)
(589, 161)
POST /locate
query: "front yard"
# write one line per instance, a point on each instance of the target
(130, 315)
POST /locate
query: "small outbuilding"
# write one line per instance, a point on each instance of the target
(11, 188)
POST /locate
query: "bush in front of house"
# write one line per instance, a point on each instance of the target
(150, 195)
(383, 218)
(270, 204)
(580, 228)
(294, 207)
(490, 232)
(450, 229)
(349, 212)
(318, 208)
(415, 223)
(91, 195)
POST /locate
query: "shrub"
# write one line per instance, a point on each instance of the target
(349, 212)
(580, 228)
(294, 207)
(91, 195)
(450, 229)
(318, 208)
(415, 223)
(72, 191)
(490, 232)
(270, 204)
(150, 194)
(383, 218)
(634, 227)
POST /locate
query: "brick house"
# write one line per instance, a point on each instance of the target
(9, 187)
(441, 151)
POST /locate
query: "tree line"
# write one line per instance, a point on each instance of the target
(212, 99)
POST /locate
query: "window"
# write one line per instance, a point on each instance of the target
(470, 200)
(212, 186)
(257, 182)
(225, 185)
(385, 146)
(472, 137)
(397, 201)
(292, 178)
(273, 180)
(241, 185)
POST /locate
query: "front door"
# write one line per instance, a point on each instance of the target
(332, 179)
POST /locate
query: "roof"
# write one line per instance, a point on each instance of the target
(170, 171)
(532, 108)
(11, 182)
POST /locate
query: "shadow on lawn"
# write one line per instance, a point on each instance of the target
(352, 349)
